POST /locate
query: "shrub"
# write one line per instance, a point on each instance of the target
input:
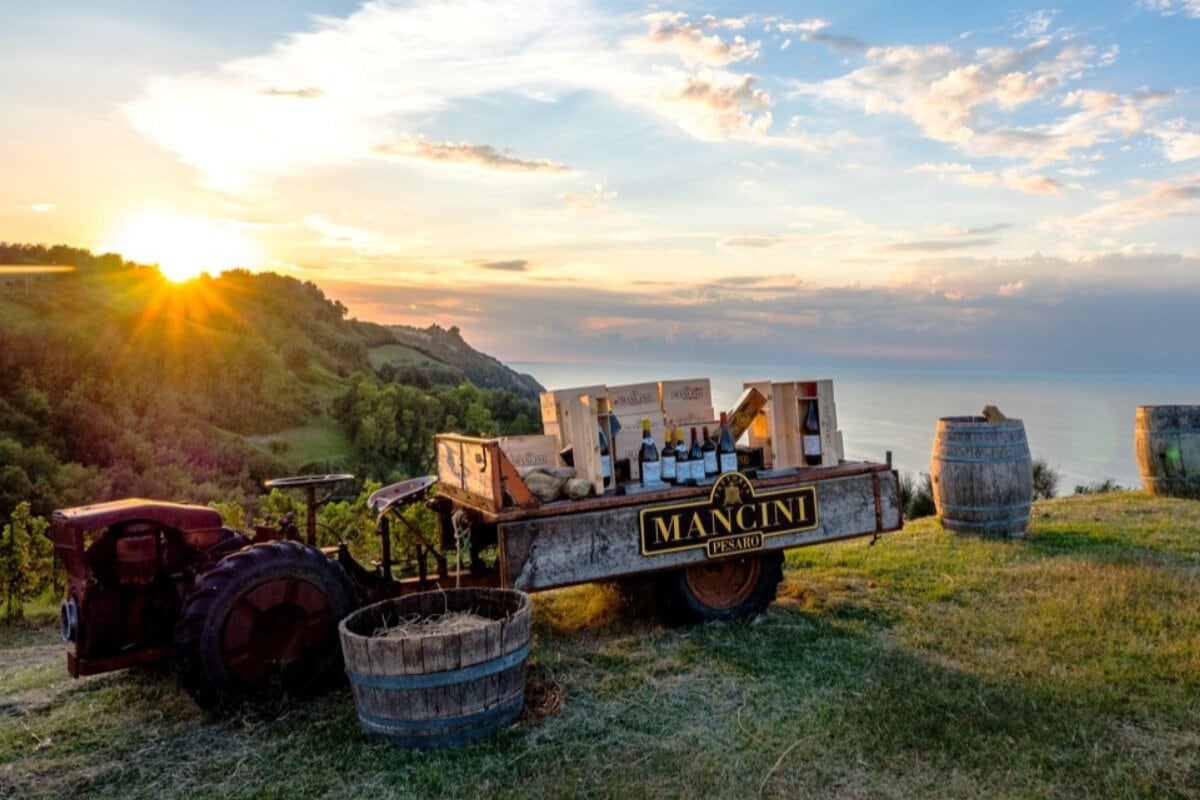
(916, 495)
(26, 560)
(1045, 480)
(1098, 487)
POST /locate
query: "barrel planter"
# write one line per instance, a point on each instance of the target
(438, 689)
(982, 475)
(1167, 442)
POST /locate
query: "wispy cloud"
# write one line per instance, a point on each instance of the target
(512, 265)
(39, 208)
(478, 155)
(1189, 8)
(967, 175)
(307, 93)
(595, 199)
(1158, 200)
(671, 32)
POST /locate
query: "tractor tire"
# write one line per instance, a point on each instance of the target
(725, 589)
(263, 623)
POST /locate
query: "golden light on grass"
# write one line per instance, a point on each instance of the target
(182, 247)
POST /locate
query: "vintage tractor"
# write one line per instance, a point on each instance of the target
(241, 617)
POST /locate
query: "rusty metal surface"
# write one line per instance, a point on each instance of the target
(171, 515)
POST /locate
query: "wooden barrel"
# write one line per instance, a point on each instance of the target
(438, 689)
(982, 475)
(1167, 441)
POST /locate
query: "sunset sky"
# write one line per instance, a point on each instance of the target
(991, 185)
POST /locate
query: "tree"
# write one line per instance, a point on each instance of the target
(26, 560)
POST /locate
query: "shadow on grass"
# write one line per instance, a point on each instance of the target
(1102, 546)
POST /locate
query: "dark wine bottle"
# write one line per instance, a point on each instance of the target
(812, 435)
(649, 466)
(668, 458)
(726, 455)
(709, 449)
(605, 459)
(696, 459)
(683, 467)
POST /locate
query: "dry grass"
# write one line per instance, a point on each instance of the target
(1064, 665)
(415, 625)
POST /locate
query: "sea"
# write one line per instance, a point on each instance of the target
(1081, 425)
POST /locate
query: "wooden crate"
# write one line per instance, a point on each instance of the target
(530, 451)
(476, 472)
(628, 442)
(634, 398)
(778, 428)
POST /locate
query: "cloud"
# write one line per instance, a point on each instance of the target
(1160, 200)
(966, 175)
(965, 98)
(39, 208)
(748, 244)
(1189, 8)
(935, 246)
(1019, 313)
(513, 265)
(306, 93)
(672, 33)
(479, 155)
(719, 105)
(595, 199)
(1178, 144)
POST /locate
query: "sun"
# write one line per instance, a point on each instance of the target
(183, 247)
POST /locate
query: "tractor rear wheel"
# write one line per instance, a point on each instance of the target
(724, 589)
(261, 622)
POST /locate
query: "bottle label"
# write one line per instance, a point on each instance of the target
(728, 462)
(651, 473)
(697, 469)
(668, 468)
(605, 466)
(710, 462)
(812, 445)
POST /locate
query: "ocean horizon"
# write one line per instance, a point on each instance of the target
(1081, 424)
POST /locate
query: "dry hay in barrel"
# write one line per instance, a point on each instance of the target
(414, 625)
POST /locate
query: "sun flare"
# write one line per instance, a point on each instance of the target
(183, 247)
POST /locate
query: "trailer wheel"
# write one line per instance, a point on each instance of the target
(725, 589)
(261, 623)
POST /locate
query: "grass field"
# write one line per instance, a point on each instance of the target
(321, 441)
(1063, 665)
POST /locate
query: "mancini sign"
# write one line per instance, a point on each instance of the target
(733, 519)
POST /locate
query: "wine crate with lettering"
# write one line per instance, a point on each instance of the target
(633, 398)
(530, 451)
(687, 401)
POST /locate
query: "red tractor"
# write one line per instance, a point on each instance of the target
(241, 617)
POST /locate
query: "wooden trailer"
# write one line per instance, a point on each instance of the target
(712, 551)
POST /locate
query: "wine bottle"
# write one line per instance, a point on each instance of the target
(683, 467)
(605, 459)
(668, 458)
(649, 467)
(812, 435)
(696, 459)
(726, 455)
(709, 449)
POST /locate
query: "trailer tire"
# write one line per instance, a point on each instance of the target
(725, 589)
(263, 623)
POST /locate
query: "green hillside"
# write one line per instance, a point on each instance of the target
(119, 383)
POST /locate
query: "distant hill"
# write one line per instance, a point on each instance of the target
(447, 346)
(118, 383)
